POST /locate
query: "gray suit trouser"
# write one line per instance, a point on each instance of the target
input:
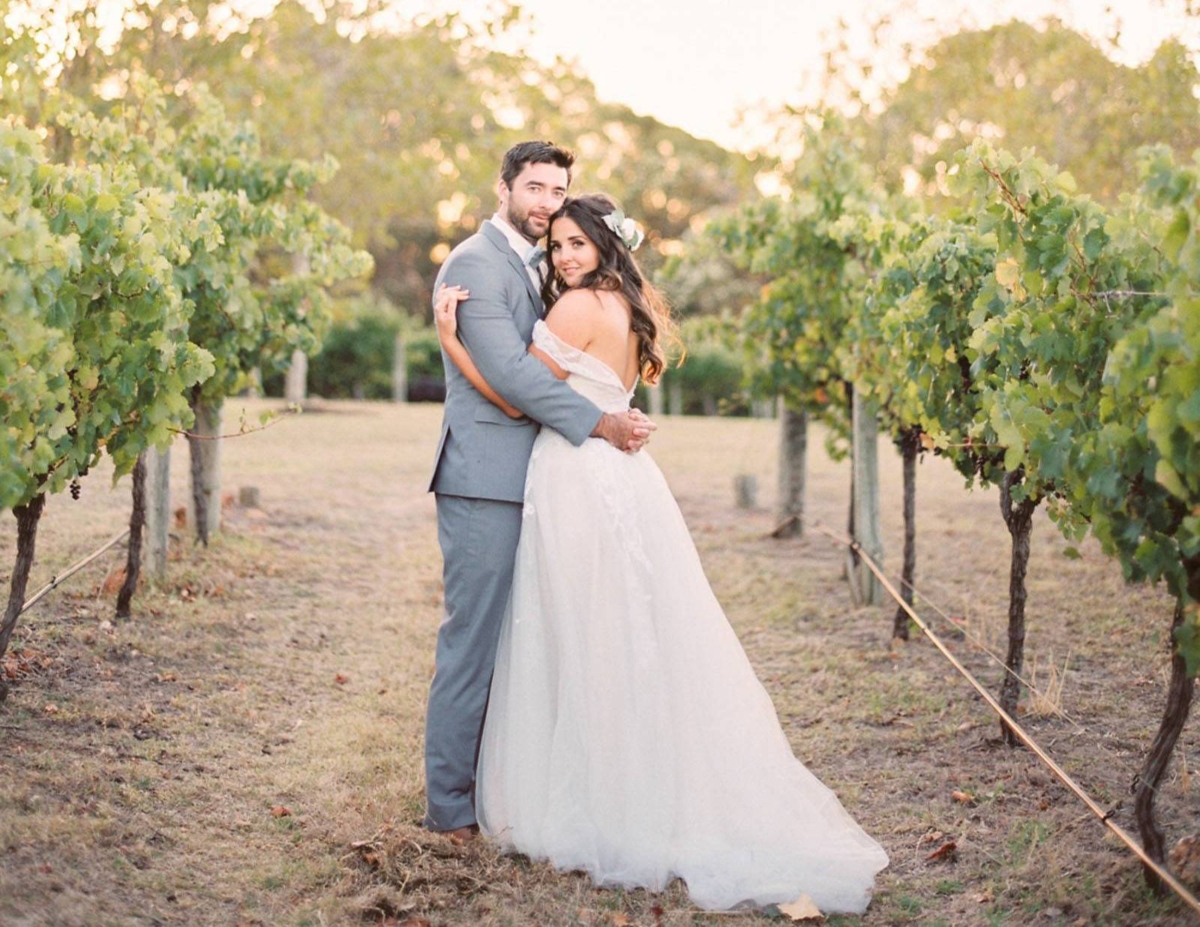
(479, 546)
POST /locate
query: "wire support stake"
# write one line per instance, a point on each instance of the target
(69, 572)
(1123, 835)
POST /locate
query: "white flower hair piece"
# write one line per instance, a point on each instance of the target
(626, 229)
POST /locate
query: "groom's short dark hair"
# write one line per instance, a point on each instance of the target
(535, 152)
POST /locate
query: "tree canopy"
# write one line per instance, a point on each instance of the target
(418, 115)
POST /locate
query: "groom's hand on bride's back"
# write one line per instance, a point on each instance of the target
(626, 431)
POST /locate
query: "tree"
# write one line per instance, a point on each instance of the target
(1034, 86)
(93, 354)
(251, 308)
(418, 114)
(796, 332)
(1040, 357)
(1136, 472)
(886, 244)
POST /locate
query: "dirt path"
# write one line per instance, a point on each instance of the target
(215, 759)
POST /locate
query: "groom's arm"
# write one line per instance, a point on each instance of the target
(487, 328)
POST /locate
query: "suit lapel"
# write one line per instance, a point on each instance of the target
(496, 237)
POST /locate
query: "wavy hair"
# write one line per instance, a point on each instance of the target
(534, 152)
(618, 271)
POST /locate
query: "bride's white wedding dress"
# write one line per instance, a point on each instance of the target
(627, 734)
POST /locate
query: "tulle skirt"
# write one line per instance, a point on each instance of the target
(627, 734)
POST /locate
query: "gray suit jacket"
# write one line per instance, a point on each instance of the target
(483, 454)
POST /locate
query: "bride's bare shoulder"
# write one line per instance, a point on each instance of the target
(575, 301)
(573, 317)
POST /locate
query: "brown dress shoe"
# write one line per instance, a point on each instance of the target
(462, 835)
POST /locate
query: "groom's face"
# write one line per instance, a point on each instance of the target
(535, 195)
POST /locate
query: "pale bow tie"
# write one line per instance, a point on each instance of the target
(536, 255)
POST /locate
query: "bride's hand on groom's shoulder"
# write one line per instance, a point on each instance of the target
(445, 308)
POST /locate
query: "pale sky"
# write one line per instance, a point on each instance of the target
(697, 63)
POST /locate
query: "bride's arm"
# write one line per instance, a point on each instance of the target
(548, 361)
(447, 326)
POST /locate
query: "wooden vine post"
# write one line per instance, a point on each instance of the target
(157, 528)
(793, 464)
(674, 397)
(204, 445)
(910, 449)
(295, 384)
(864, 587)
(656, 400)
(399, 368)
(295, 387)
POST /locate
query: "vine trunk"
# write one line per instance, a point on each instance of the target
(1180, 691)
(1019, 519)
(28, 516)
(137, 520)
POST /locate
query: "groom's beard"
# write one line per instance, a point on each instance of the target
(524, 223)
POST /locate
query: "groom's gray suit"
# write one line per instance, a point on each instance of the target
(479, 479)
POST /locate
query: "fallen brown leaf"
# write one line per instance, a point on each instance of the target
(341, 679)
(1185, 860)
(945, 852)
(113, 582)
(802, 909)
(281, 811)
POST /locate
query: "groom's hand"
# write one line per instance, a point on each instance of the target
(626, 431)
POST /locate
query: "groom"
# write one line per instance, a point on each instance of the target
(479, 467)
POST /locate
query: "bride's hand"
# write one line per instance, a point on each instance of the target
(445, 309)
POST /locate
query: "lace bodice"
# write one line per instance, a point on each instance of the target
(587, 375)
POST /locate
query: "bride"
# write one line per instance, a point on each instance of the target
(626, 733)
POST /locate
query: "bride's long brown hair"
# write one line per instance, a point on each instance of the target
(618, 271)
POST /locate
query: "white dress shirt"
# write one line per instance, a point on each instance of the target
(520, 244)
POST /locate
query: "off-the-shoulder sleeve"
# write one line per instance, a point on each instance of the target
(570, 358)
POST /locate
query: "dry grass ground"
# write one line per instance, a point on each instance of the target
(247, 748)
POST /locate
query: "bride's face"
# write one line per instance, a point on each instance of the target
(573, 254)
